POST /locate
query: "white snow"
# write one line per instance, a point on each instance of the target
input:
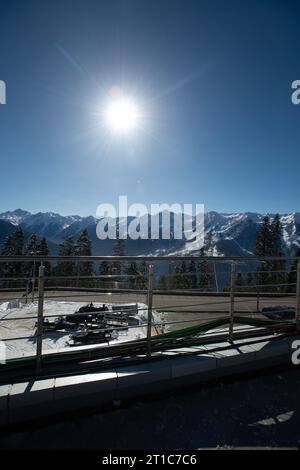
(54, 341)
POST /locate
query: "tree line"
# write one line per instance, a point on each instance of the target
(268, 276)
(70, 273)
(14, 245)
(272, 276)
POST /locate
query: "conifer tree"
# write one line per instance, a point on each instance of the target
(279, 275)
(185, 280)
(205, 273)
(132, 271)
(119, 250)
(209, 242)
(105, 269)
(18, 251)
(162, 282)
(8, 247)
(44, 251)
(67, 268)
(269, 244)
(143, 275)
(176, 278)
(263, 248)
(264, 238)
(84, 248)
(276, 229)
(239, 281)
(7, 268)
(32, 248)
(193, 274)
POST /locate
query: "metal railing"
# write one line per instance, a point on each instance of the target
(233, 293)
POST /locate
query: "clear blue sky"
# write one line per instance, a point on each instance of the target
(212, 77)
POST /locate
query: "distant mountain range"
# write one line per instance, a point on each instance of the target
(225, 234)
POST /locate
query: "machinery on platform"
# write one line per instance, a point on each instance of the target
(279, 312)
(91, 324)
(100, 334)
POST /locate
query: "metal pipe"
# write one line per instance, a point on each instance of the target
(149, 303)
(100, 276)
(26, 294)
(220, 259)
(211, 316)
(33, 282)
(216, 277)
(39, 333)
(232, 284)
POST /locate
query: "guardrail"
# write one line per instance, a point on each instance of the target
(233, 292)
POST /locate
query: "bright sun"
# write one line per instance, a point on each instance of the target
(122, 115)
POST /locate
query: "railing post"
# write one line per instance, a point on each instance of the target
(149, 303)
(297, 310)
(33, 282)
(39, 333)
(232, 286)
(216, 277)
(26, 294)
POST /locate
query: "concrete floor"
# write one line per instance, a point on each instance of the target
(256, 412)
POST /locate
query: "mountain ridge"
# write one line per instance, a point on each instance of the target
(226, 234)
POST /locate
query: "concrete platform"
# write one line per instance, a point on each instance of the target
(20, 402)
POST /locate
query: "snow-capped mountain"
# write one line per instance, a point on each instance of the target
(235, 234)
(14, 217)
(225, 234)
(48, 224)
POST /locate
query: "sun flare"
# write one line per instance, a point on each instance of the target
(122, 115)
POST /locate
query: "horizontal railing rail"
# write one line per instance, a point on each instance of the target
(150, 258)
